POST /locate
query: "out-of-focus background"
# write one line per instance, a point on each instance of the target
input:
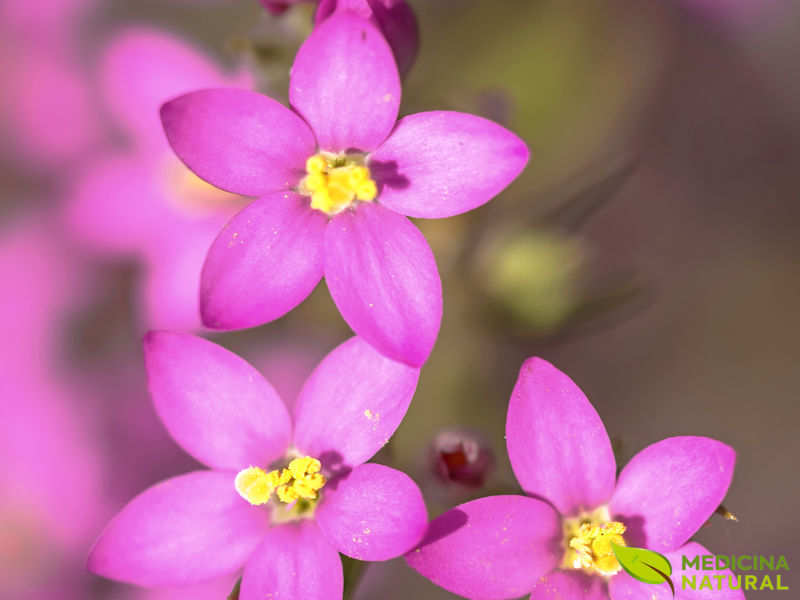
(650, 250)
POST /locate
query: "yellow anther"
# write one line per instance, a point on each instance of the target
(316, 164)
(287, 494)
(254, 485)
(316, 181)
(587, 541)
(335, 182)
(301, 479)
(367, 191)
(300, 467)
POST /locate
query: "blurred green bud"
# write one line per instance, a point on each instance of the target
(534, 276)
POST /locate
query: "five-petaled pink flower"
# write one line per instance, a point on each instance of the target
(555, 545)
(335, 179)
(394, 18)
(286, 525)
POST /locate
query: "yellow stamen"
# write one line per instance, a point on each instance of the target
(301, 479)
(587, 541)
(335, 182)
(254, 486)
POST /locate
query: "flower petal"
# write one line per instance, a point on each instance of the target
(216, 406)
(238, 140)
(294, 561)
(440, 164)
(114, 205)
(374, 513)
(169, 297)
(557, 444)
(265, 261)
(394, 17)
(183, 530)
(43, 90)
(625, 587)
(142, 68)
(215, 589)
(383, 278)
(492, 548)
(345, 84)
(352, 404)
(669, 489)
(566, 585)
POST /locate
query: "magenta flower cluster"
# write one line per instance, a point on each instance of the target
(328, 185)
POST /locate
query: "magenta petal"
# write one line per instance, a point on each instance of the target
(113, 205)
(216, 406)
(669, 489)
(183, 530)
(439, 164)
(294, 562)
(394, 17)
(265, 261)
(557, 444)
(383, 278)
(351, 404)
(492, 548)
(142, 68)
(345, 84)
(399, 26)
(374, 513)
(238, 140)
(567, 585)
(169, 296)
(624, 587)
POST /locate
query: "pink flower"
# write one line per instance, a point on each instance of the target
(283, 526)
(394, 18)
(508, 546)
(45, 85)
(51, 465)
(143, 203)
(53, 23)
(335, 180)
(216, 589)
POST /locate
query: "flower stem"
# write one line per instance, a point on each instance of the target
(353, 572)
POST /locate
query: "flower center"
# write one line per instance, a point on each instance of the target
(335, 182)
(300, 480)
(587, 543)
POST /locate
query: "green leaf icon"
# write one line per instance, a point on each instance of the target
(644, 565)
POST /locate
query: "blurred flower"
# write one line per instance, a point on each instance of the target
(394, 18)
(51, 467)
(461, 457)
(284, 526)
(217, 589)
(53, 22)
(45, 85)
(143, 202)
(534, 276)
(561, 455)
(335, 181)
